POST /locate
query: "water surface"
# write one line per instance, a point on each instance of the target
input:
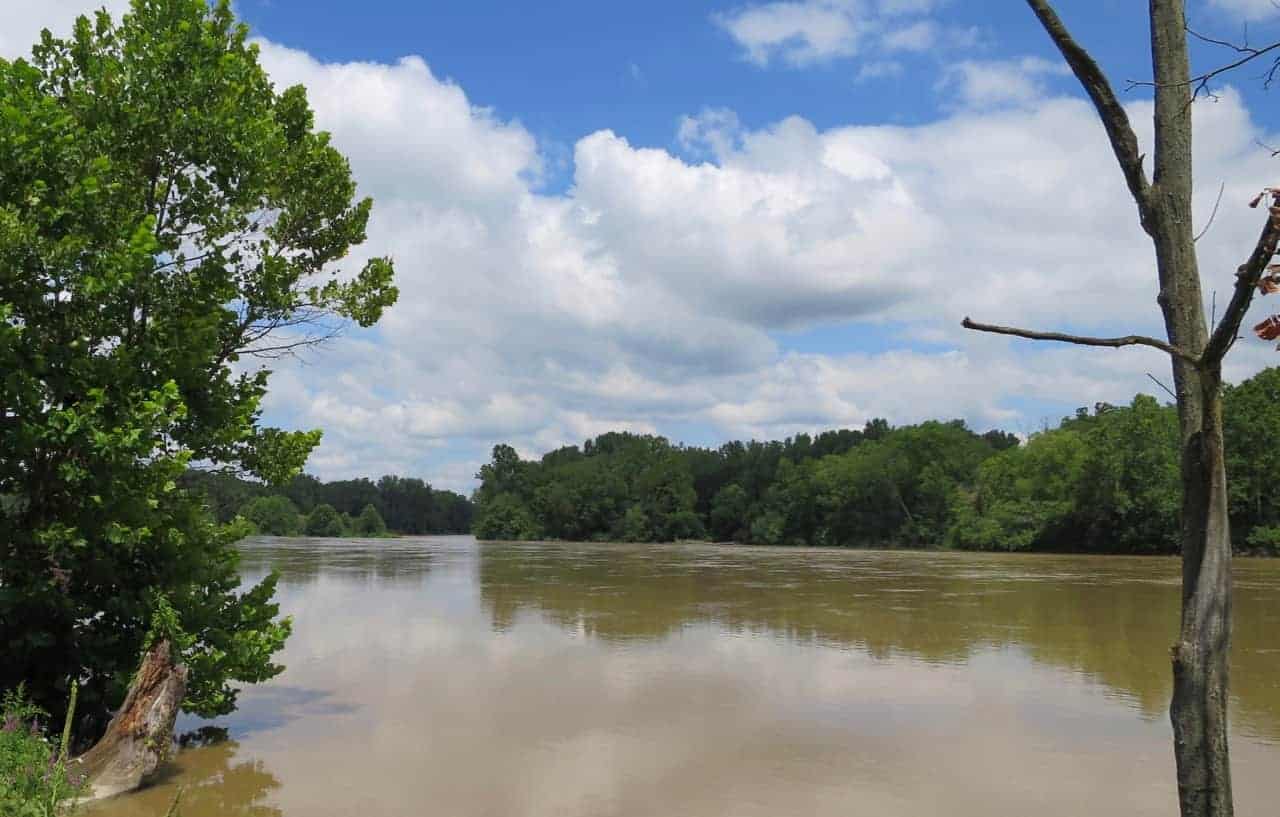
(441, 676)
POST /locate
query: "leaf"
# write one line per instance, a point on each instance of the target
(1268, 329)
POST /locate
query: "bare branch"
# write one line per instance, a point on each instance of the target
(1156, 380)
(1081, 340)
(1247, 278)
(1200, 82)
(1124, 143)
(1221, 189)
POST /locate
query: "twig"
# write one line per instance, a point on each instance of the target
(1201, 81)
(1247, 277)
(1221, 188)
(1124, 142)
(1081, 340)
(1155, 380)
(177, 799)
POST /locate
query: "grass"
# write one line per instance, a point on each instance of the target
(37, 778)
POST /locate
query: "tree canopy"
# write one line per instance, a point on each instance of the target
(404, 505)
(1103, 480)
(167, 218)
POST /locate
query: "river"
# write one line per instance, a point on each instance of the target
(439, 676)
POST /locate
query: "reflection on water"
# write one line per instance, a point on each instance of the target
(214, 779)
(441, 676)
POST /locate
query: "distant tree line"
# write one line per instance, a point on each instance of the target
(352, 507)
(1104, 480)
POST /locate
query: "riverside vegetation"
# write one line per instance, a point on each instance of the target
(306, 506)
(1104, 480)
(169, 220)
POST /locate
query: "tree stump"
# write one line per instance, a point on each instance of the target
(140, 735)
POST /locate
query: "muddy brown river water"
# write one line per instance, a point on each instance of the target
(439, 676)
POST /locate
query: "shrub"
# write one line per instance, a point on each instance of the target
(36, 777)
(369, 522)
(325, 521)
(1265, 539)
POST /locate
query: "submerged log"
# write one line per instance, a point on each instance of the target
(140, 736)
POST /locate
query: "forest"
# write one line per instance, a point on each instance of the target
(1105, 480)
(306, 506)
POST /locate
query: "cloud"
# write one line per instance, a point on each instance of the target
(805, 32)
(662, 290)
(919, 36)
(992, 83)
(799, 33)
(880, 69)
(649, 295)
(1249, 9)
(22, 21)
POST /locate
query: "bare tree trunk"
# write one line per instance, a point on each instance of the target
(1198, 709)
(139, 737)
(1202, 653)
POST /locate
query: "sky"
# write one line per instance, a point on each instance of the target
(728, 220)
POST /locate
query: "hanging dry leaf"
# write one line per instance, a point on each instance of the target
(1266, 191)
(1268, 329)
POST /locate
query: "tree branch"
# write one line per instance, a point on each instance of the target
(1081, 340)
(1200, 82)
(1247, 278)
(1124, 143)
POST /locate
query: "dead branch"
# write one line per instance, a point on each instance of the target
(1081, 340)
(1156, 380)
(1124, 143)
(1200, 82)
(1216, 204)
(1247, 278)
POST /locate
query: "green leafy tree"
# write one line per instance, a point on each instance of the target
(1251, 434)
(633, 526)
(324, 520)
(505, 518)
(273, 516)
(165, 215)
(729, 513)
(1024, 498)
(369, 523)
(1129, 494)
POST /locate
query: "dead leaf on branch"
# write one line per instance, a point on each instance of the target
(1268, 329)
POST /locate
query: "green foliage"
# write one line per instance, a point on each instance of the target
(37, 778)
(406, 505)
(729, 511)
(324, 521)
(1265, 539)
(164, 214)
(369, 523)
(1251, 434)
(504, 518)
(273, 516)
(1024, 496)
(1105, 480)
(633, 526)
(619, 486)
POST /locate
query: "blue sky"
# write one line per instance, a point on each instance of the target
(724, 219)
(565, 69)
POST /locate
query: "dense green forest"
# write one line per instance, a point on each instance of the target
(1104, 480)
(353, 507)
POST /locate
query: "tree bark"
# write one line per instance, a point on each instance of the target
(1198, 710)
(139, 737)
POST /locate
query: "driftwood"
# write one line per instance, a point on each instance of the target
(140, 736)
